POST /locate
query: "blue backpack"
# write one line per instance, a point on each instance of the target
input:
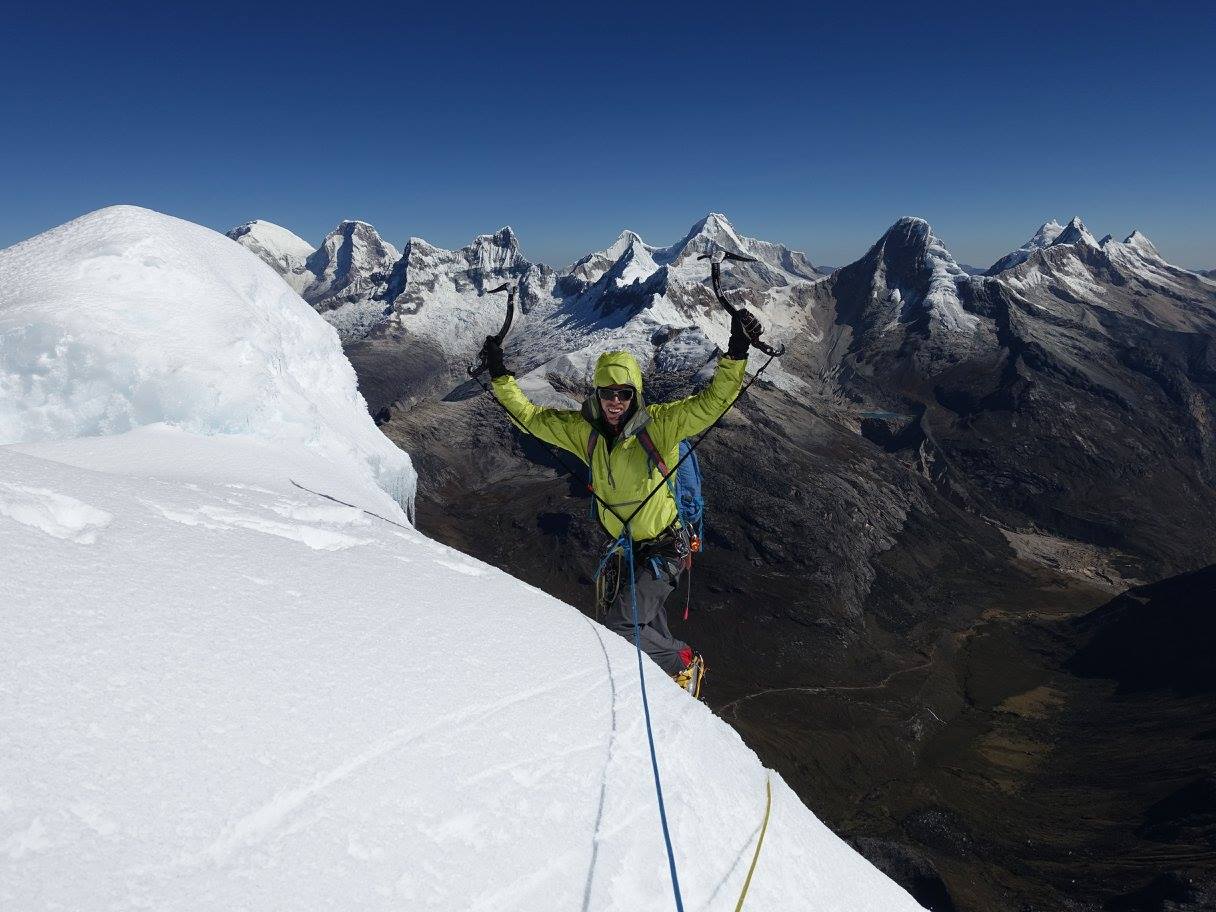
(685, 484)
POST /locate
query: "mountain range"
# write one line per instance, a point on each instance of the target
(940, 465)
(926, 359)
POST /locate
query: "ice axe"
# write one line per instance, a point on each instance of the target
(481, 365)
(715, 272)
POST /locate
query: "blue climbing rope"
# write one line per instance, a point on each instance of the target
(626, 542)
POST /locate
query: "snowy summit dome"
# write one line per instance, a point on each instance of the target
(126, 317)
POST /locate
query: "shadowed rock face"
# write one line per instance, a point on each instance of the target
(1081, 399)
(1154, 637)
(956, 462)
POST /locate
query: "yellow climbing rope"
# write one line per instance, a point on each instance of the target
(768, 806)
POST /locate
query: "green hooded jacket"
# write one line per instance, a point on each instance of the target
(620, 471)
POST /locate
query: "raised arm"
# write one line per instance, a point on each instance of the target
(673, 421)
(564, 428)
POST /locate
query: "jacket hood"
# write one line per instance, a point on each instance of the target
(618, 368)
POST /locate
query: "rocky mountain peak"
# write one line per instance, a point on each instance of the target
(1046, 235)
(1048, 232)
(910, 278)
(909, 230)
(1075, 233)
(712, 230)
(351, 245)
(1139, 242)
(591, 267)
(279, 248)
(489, 252)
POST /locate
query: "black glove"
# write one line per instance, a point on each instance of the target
(745, 329)
(491, 357)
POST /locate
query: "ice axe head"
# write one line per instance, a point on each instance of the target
(718, 254)
(475, 369)
(506, 326)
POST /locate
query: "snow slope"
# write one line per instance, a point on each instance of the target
(221, 688)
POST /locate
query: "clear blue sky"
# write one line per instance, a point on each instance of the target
(814, 126)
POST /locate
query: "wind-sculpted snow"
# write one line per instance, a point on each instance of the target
(125, 318)
(256, 687)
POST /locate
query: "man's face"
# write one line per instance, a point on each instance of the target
(615, 402)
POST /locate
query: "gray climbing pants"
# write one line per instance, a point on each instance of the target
(655, 581)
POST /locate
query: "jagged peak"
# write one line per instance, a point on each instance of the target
(713, 228)
(1047, 232)
(503, 237)
(490, 252)
(422, 245)
(1045, 236)
(1139, 242)
(1075, 233)
(712, 223)
(908, 231)
(348, 227)
(911, 240)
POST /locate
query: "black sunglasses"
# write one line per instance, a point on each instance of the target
(624, 394)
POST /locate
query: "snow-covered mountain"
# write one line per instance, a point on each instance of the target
(432, 315)
(657, 303)
(1128, 277)
(902, 299)
(594, 265)
(1044, 237)
(343, 279)
(286, 253)
(437, 293)
(113, 307)
(350, 271)
(427, 305)
(1009, 385)
(234, 676)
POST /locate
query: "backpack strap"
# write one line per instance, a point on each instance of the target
(652, 451)
(592, 439)
(656, 458)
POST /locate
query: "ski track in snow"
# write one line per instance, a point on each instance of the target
(55, 514)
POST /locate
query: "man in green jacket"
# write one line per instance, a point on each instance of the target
(622, 475)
